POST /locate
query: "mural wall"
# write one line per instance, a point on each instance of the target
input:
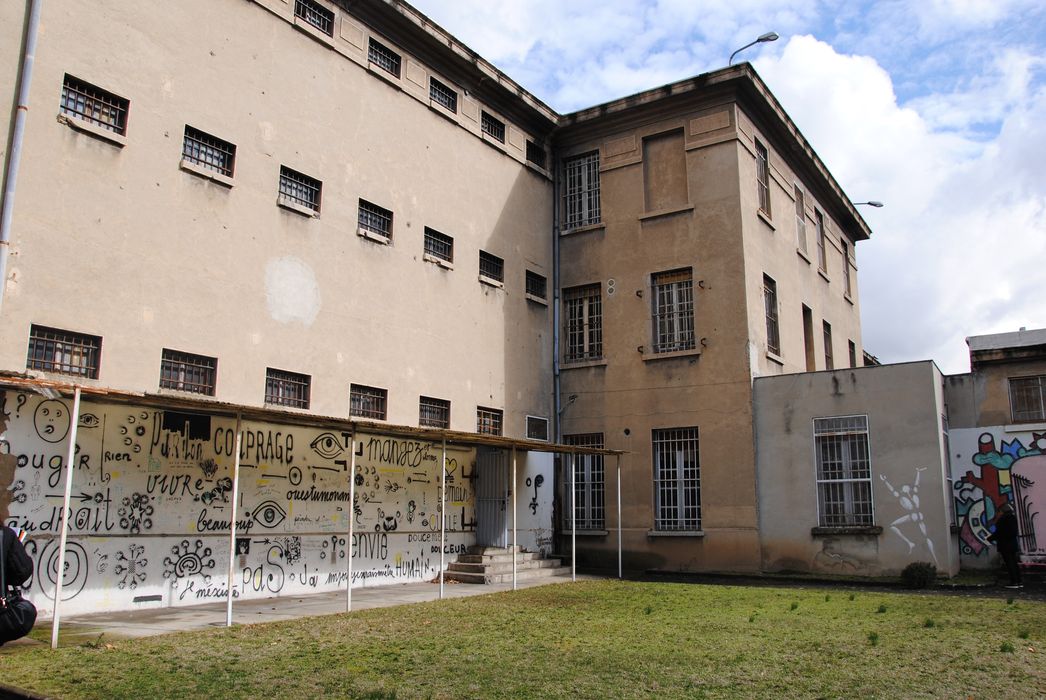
(989, 468)
(152, 502)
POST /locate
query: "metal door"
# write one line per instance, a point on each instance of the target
(491, 485)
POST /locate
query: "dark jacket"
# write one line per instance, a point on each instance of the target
(1006, 534)
(18, 566)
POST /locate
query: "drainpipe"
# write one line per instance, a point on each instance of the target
(15, 154)
(555, 301)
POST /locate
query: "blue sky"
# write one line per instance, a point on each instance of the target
(936, 107)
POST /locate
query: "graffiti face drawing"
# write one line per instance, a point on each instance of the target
(51, 420)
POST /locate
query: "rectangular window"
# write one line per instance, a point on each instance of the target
(316, 15)
(847, 288)
(1028, 399)
(383, 57)
(673, 310)
(184, 371)
(537, 428)
(773, 337)
(808, 339)
(208, 151)
(367, 401)
(535, 154)
(583, 323)
(433, 413)
(537, 285)
(800, 219)
(63, 352)
(443, 95)
(589, 484)
(581, 190)
(829, 361)
(376, 220)
(844, 471)
(492, 127)
(852, 347)
(94, 105)
(488, 421)
(677, 480)
(491, 267)
(300, 190)
(287, 388)
(762, 175)
(822, 254)
(439, 245)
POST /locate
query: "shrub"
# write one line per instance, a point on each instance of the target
(882, 608)
(919, 574)
(873, 638)
(929, 623)
(1006, 648)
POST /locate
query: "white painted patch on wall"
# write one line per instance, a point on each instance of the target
(291, 291)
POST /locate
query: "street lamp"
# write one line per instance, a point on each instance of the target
(769, 36)
(872, 203)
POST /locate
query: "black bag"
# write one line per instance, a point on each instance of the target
(17, 615)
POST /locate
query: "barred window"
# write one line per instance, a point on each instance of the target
(384, 57)
(536, 285)
(367, 401)
(773, 337)
(375, 219)
(439, 245)
(488, 420)
(299, 189)
(852, 348)
(433, 413)
(844, 471)
(491, 267)
(443, 95)
(677, 480)
(63, 352)
(1028, 399)
(581, 190)
(829, 358)
(762, 169)
(284, 388)
(537, 428)
(316, 15)
(583, 323)
(81, 100)
(589, 484)
(208, 151)
(847, 284)
(673, 311)
(492, 127)
(535, 154)
(185, 371)
(800, 218)
(822, 259)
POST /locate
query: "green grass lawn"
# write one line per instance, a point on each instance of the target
(596, 639)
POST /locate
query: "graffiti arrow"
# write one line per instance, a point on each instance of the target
(82, 496)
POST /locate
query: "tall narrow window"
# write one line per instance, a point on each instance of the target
(492, 127)
(673, 310)
(822, 254)
(443, 95)
(488, 420)
(589, 484)
(298, 190)
(374, 222)
(773, 336)
(316, 15)
(208, 152)
(184, 371)
(1028, 399)
(808, 338)
(383, 57)
(535, 154)
(284, 388)
(94, 105)
(583, 323)
(847, 288)
(829, 362)
(762, 176)
(368, 401)
(852, 348)
(433, 413)
(844, 471)
(800, 219)
(581, 190)
(677, 480)
(63, 352)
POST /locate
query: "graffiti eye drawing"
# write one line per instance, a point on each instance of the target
(269, 514)
(326, 445)
(89, 420)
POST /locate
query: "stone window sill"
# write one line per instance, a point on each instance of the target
(206, 173)
(583, 229)
(675, 533)
(578, 364)
(435, 260)
(856, 530)
(93, 130)
(491, 282)
(293, 206)
(666, 212)
(765, 218)
(372, 236)
(774, 357)
(653, 356)
(536, 299)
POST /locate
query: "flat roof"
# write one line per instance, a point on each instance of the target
(1000, 341)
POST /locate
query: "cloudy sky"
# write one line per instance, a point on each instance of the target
(935, 107)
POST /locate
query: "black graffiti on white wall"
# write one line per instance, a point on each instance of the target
(131, 567)
(136, 513)
(187, 560)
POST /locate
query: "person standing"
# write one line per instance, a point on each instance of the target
(1006, 540)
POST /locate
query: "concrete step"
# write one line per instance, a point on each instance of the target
(495, 558)
(521, 575)
(483, 549)
(503, 567)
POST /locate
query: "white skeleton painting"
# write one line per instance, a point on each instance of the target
(908, 497)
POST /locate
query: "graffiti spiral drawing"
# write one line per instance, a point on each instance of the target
(187, 560)
(74, 575)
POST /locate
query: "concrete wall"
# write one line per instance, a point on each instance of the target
(910, 490)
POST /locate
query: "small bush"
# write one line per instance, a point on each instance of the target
(647, 610)
(1023, 634)
(873, 638)
(751, 618)
(882, 608)
(919, 574)
(852, 596)
(929, 623)
(795, 604)
(827, 598)
(1006, 648)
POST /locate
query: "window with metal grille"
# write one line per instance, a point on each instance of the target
(537, 428)
(316, 15)
(844, 471)
(583, 323)
(384, 57)
(581, 204)
(492, 127)
(847, 285)
(488, 420)
(375, 219)
(829, 358)
(1028, 399)
(536, 154)
(287, 388)
(63, 352)
(94, 105)
(822, 259)
(367, 401)
(443, 95)
(491, 266)
(433, 413)
(673, 311)
(800, 219)
(299, 189)
(589, 483)
(677, 480)
(773, 336)
(185, 371)
(208, 151)
(762, 176)
(439, 245)
(537, 285)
